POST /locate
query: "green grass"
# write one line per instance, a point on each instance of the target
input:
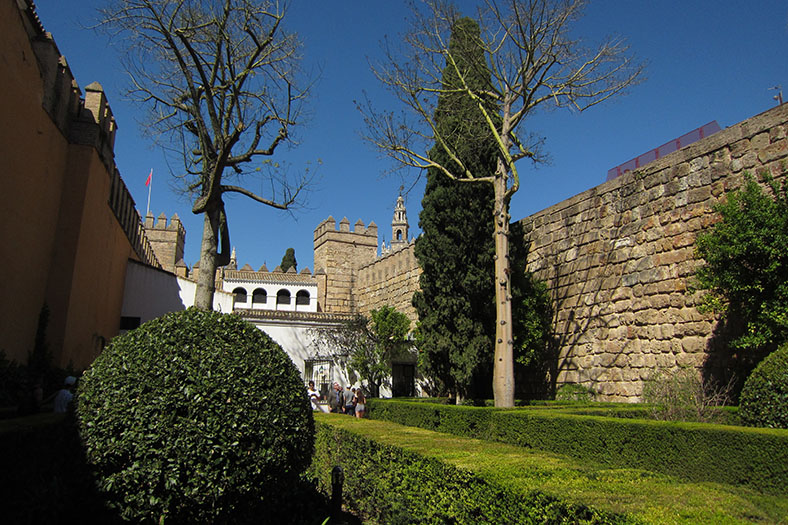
(647, 496)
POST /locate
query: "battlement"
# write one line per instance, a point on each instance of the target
(94, 124)
(166, 240)
(329, 226)
(175, 223)
(82, 120)
(338, 255)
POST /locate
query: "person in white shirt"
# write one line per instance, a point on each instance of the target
(65, 395)
(313, 394)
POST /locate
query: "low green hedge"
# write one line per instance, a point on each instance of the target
(757, 458)
(388, 484)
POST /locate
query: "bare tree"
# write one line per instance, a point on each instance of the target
(220, 80)
(533, 62)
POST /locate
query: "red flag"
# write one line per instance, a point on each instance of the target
(147, 182)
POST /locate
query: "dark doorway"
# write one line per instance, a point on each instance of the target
(403, 382)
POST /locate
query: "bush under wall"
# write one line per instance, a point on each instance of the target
(756, 458)
(764, 398)
(195, 417)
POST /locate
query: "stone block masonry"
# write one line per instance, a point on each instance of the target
(619, 258)
(338, 256)
(390, 280)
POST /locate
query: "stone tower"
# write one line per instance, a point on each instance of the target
(399, 226)
(338, 256)
(166, 240)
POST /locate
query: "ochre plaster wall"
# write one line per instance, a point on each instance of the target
(34, 156)
(100, 260)
(63, 245)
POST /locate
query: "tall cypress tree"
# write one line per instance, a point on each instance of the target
(456, 301)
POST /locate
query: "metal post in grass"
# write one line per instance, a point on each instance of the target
(337, 479)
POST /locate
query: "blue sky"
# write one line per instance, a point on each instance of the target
(706, 60)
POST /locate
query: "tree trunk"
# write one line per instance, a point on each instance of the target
(503, 368)
(206, 276)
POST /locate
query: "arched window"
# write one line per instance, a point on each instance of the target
(259, 296)
(239, 295)
(283, 297)
(399, 235)
(302, 297)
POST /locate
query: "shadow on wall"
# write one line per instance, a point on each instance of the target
(585, 282)
(150, 293)
(727, 367)
(601, 291)
(532, 315)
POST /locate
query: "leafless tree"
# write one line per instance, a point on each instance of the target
(533, 62)
(220, 81)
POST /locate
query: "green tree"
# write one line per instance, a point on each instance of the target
(289, 260)
(455, 302)
(534, 62)
(456, 251)
(745, 273)
(220, 81)
(370, 344)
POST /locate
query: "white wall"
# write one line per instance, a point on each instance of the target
(296, 340)
(271, 289)
(150, 293)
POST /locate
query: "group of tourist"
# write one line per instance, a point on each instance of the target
(350, 401)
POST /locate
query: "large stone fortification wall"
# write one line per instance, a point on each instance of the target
(390, 280)
(618, 258)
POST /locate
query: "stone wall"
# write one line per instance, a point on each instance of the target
(389, 280)
(618, 258)
(338, 256)
(166, 240)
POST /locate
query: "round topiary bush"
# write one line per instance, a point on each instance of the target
(195, 417)
(764, 398)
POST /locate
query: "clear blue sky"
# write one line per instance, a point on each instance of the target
(707, 60)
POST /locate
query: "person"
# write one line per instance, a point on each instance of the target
(361, 403)
(65, 395)
(335, 399)
(348, 400)
(314, 396)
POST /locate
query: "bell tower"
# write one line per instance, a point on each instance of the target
(399, 226)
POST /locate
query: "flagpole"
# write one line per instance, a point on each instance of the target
(150, 184)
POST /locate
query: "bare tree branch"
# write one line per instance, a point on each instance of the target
(531, 61)
(219, 77)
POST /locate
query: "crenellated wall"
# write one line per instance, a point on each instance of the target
(618, 258)
(166, 240)
(69, 224)
(338, 256)
(389, 280)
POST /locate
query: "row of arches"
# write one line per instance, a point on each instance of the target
(260, 297)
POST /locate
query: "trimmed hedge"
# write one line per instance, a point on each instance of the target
(390, 485)
(764, 398)
(195, 417)
(757, 458)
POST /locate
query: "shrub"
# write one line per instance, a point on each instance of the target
(764, 399)
(752, 457)
(681, 395)
(392, 485)
(575, 392)
(195, 417)
(744, 276)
